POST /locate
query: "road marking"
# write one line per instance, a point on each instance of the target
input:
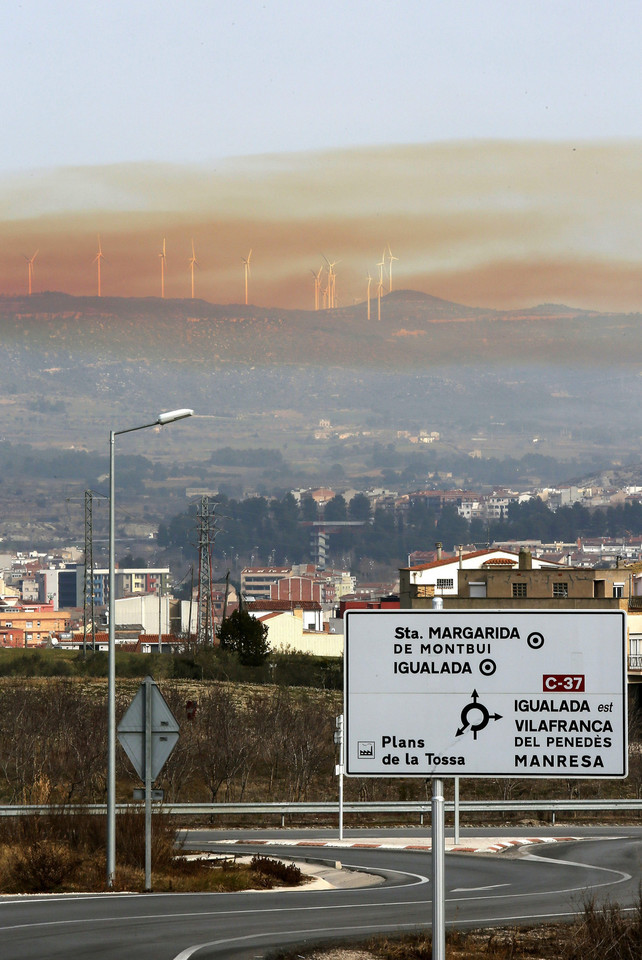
(492, 886)
(301, 935)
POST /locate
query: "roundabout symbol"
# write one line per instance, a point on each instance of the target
(475, 716)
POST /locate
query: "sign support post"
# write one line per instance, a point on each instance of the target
(148, 733)
(456, 826)
(438, 848)
(148, 783)
(438, 872)
(338, 738)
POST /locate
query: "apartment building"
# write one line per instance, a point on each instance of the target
(128, 582)
(31, 625)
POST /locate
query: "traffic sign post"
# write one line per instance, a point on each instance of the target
(470, 693)
(339, 769)
(475, 694)
(148, 732)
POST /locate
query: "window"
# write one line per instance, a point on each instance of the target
(477, 589)
(560, 589)
(519, 590)
(446, 584)
(618, 589)
(424, 590)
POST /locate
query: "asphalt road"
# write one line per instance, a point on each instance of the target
(548, 883)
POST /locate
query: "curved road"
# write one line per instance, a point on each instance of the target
(550, 884)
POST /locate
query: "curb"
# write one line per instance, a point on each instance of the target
(474, 846)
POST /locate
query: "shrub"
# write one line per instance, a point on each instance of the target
(287, 873)
(42, 866)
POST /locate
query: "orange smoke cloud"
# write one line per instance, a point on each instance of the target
(489, 224)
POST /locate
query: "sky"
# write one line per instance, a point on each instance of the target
(494, 145)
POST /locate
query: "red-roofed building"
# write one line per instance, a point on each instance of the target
(440, 578)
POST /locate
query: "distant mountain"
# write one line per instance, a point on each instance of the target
(415, 330)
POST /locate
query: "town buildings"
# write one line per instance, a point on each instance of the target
(442, 576)
(520, 583)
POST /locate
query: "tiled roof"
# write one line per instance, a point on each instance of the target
(276, 605)
(451, 559)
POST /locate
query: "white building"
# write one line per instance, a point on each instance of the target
(440, 578)
(286, 632)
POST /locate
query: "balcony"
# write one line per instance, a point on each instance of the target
(635, 662)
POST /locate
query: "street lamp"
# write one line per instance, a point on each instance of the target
(161, 420)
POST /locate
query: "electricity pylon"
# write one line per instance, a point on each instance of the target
(206, 534)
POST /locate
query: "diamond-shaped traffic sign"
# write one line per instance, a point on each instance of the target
(164, 729)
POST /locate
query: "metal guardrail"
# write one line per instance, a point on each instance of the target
(635, 662)
(332, 807)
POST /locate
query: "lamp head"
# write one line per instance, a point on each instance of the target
(174, 415)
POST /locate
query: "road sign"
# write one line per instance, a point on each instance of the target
(164, 733)
(485, 694)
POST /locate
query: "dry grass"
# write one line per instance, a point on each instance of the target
(66, 854)
(600, 933)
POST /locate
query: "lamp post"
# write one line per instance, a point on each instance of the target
(161, 420)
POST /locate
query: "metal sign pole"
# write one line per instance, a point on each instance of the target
(438, 872)
(456, 830)
(341, 783)
(148, 783)
(338, 738)
(438, 853)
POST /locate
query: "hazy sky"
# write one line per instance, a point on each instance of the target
(426, 124)
(192, 80)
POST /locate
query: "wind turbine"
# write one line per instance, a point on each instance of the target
(163, 259)
(369, 278)
(332, 282)
(193, 262)
(99, 256)
(30, 261)
(391, 257)
(246, 271)
(317, 286)
(381, 265)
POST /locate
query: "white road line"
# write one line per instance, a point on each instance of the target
(492, 886)
(301, 935)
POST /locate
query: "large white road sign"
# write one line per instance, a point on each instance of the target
(476, 694)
